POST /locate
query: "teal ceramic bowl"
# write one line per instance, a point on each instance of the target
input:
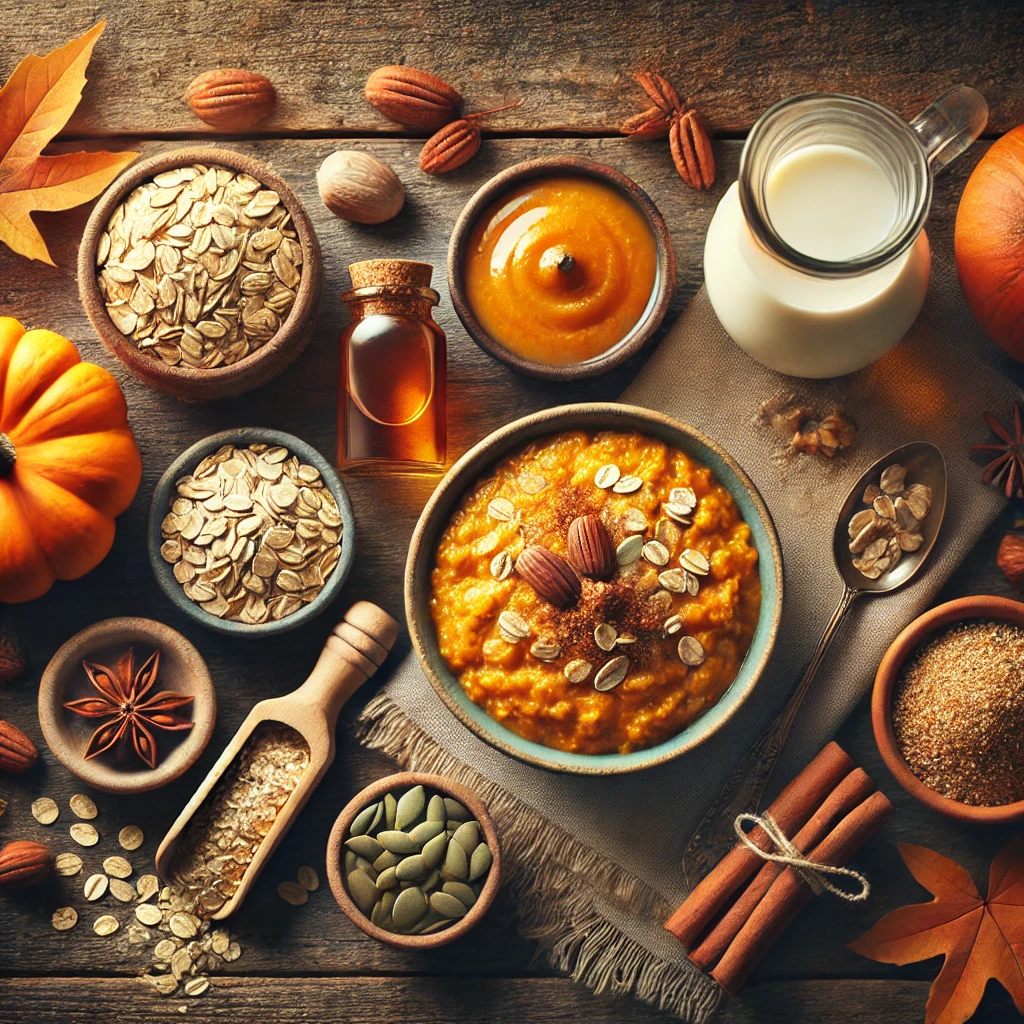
(509, 439)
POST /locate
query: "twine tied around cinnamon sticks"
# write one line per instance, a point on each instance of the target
(810, 871)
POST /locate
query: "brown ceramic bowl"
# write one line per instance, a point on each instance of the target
(181, 668)
(375, 791)
(917, 633)
(543, 167)
(186, 382)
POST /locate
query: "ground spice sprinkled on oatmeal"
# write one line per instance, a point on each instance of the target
(958, 713)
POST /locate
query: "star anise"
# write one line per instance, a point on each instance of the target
(133, 719)
(1006, 470)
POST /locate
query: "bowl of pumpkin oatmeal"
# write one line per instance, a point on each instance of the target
(594, 588)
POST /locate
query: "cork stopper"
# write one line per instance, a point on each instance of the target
(390, 273)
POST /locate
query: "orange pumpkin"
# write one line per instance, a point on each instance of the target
(68, 461)
(989, 242)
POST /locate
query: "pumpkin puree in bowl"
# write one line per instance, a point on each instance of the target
(561, 269)
(549, 484)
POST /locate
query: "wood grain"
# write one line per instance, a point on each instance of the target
(569, 65)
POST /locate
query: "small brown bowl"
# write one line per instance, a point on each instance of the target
(181, 668)
(919, 632)
(186, 382)
(375, 791)
(542, 167)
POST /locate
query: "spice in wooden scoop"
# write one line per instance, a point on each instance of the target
(958, 713)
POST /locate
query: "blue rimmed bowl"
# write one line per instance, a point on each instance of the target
(184, 464)
(509, 439)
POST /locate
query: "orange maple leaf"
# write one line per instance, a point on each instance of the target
(981, 938)
(35, 104)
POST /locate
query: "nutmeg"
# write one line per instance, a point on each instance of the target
(230, 99)
(1010, 558)
(550, 575)
(590, 547)
(358, 187)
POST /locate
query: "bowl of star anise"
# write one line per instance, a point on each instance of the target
(127, 705)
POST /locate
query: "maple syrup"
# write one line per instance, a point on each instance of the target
(391, 415)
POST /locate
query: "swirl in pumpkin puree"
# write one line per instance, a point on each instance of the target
(561, 269)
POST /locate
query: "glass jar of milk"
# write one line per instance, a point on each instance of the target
(816, 260)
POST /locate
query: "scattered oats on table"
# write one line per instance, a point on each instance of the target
(253, 533)
(200, 266)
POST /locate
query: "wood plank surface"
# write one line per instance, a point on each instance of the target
(569, 63)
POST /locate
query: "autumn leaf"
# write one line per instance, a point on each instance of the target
(35, 104)
(981, 938)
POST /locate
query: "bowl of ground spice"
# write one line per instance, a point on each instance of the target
(948, 709)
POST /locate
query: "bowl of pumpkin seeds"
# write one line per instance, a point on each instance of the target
(413, 860)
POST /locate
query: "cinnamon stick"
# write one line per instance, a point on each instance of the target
(791, 811)
(789, 893)
(843, 799)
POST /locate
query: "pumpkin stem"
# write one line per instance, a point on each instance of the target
(8, 455)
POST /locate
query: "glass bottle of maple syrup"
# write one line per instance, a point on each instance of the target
(391, 415)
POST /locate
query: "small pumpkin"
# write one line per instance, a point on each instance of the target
(68, 461)
(989, 242)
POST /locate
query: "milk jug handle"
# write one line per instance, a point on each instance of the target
(948, 126)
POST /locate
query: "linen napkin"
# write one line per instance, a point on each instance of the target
(594, 896)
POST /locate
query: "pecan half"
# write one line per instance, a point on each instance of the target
(17, 751)
(648, 124)
(24, 863)
(450, 147)
(231, 99)
(591, 550)
(550, 575)
(412, 97)
(691, 150)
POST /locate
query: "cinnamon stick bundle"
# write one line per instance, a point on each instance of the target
(791, 810)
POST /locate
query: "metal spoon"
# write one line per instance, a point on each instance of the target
(925, 465)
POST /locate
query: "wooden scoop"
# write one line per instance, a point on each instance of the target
(355, 649)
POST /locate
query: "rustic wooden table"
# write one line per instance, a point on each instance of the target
(570, 65)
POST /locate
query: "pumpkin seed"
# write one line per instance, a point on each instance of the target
(412, 869)
(105, 925)
(386, 860)
(501, 565)
(691, 652)
(629, 551)
(378, 916)
(454, 809)
(409, 908)
(367, 868)
(425, 831)
(411, 807)
(627, 485)
(604, 636)
(388, 879)
(390, 809)
(467, 835)
(656, 553)
(365, 846)
(293, 893)
(577, 670)
(434, 850)
(461, 891)
(83, 807)
(45, 810)
(456, 862)
(395, 841)
(607, 476)
(693, 561)
(447, 905)
(501, 509)
(362, 890)
(480, 862)
(435, 808)
(64, 918)
(366, 820)
(611, 673)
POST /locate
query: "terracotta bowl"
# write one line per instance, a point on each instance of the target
(375, 791)
(511, 438)
(181, 668)
(917, 633)
(543, 167)
(186, 382)
(184, 464)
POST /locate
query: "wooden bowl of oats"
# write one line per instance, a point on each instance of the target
(251, 532)
(200, 270)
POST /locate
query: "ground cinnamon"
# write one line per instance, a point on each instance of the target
(789, 893)
(791, 811)
(843, 799)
